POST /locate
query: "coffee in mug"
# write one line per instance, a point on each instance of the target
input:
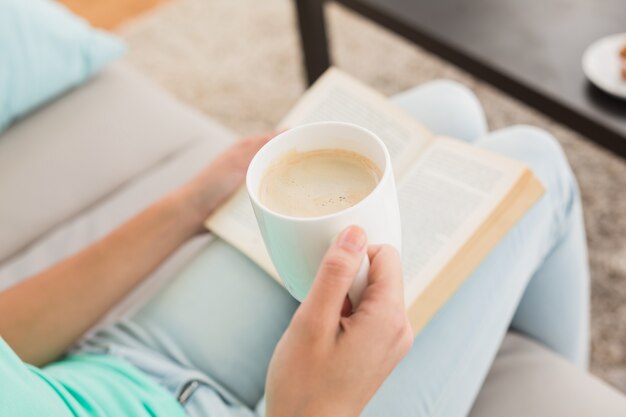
(311, 182)
(319, 182)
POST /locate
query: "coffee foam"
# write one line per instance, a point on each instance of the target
(317, 183)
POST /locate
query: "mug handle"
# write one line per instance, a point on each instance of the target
(355, 293)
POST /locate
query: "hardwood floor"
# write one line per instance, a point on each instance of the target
(108, 14)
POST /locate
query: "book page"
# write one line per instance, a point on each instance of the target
(338, 97)
(334, 97)
(518, 200)
(444, 198)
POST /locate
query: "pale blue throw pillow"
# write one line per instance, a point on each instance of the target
(45, 50)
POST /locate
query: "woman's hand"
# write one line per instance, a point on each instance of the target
(79, 290)
(221, 178)
(330, 364)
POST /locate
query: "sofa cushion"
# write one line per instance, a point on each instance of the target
(526, 380)
(78, 149)
(45, 50)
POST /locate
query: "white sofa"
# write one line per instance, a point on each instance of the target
(76, 168)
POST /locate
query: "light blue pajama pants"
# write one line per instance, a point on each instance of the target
(209, 335)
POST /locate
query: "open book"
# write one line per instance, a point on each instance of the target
(456, 200)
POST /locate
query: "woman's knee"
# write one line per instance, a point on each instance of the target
(446, 107)
(448, 93)
(543, 154)
(444, 87)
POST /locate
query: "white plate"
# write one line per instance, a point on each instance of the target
(601, 64)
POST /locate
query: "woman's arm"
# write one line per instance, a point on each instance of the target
(42, 316)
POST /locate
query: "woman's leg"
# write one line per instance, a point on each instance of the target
(443, 373)
(555, 307)
(222, 316)
(544, 313)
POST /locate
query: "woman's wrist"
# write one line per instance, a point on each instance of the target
(190, 208)
(217, 182)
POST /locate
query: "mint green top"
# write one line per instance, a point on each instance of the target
(85, 385)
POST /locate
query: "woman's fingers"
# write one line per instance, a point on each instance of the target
(385, 278)
(326, 299)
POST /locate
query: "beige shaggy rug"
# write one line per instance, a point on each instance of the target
(239, 62)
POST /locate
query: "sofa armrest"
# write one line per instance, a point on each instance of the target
(527, 379)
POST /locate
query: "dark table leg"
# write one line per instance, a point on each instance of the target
(313, 37)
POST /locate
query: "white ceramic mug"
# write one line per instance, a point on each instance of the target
(298, 244)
